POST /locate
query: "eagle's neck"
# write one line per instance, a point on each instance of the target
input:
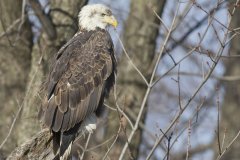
(83, 30)
(90, 25)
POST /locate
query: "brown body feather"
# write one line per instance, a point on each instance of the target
(80, 77)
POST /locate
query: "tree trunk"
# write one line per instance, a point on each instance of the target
(15, 61)
(231, 107)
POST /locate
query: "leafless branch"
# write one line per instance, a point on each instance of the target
(12, 126)
(188, 141)
(86, 145)
(46, 21)
(228, 146)
(148, 89)
(130, 61)
(220, 51)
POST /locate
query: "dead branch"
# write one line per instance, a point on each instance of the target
(45, 19)
(216, 60)
(38, 147)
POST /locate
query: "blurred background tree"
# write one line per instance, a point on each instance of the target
(231, 104)
(31, 31)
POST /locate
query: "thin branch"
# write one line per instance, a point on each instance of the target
(160, 19)
(100, 145)
(10, 28)
(22, 16)
(111, 146)
(122, 112)
(20, 109)
(12, 126)
(4, 27)
(120, 126)
(184, 129)
(229, 145)
(148, 89)
(86, 145)
(218, 123)
(46, 21)
(218, 56)
(179, 89)
(130, 61)
(221, 78)
(223, 140)
(188, 140)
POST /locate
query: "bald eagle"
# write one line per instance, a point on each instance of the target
(82, 74)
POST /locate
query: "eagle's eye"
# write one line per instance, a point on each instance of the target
(103, 14)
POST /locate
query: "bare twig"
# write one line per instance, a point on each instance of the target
(218, 124)
(122, 112)
(188, 140)
(185, 128)
(218, 56)
(228, 146)
(223, 140)
(86, 145)
(221, 78)
(12, 126)
(22, 15)
(130, 61)
(19, 110)
(111, 146)
(46, 21)
(120, 126)
(148, 89)
(160, 19)
(100, 145)
(179, 89)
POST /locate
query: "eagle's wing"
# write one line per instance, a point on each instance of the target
(77, 81)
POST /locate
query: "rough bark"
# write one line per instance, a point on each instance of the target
(15, 61)
(231, 105)
(36, 148)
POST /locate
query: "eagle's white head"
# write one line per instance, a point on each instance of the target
(96, 15)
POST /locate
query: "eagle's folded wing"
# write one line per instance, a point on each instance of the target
(77, 81)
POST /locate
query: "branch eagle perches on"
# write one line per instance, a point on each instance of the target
(39, 147)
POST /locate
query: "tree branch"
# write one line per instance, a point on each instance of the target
(45, 20)
(39, 147)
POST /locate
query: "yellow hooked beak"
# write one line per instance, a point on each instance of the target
(111, 20)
